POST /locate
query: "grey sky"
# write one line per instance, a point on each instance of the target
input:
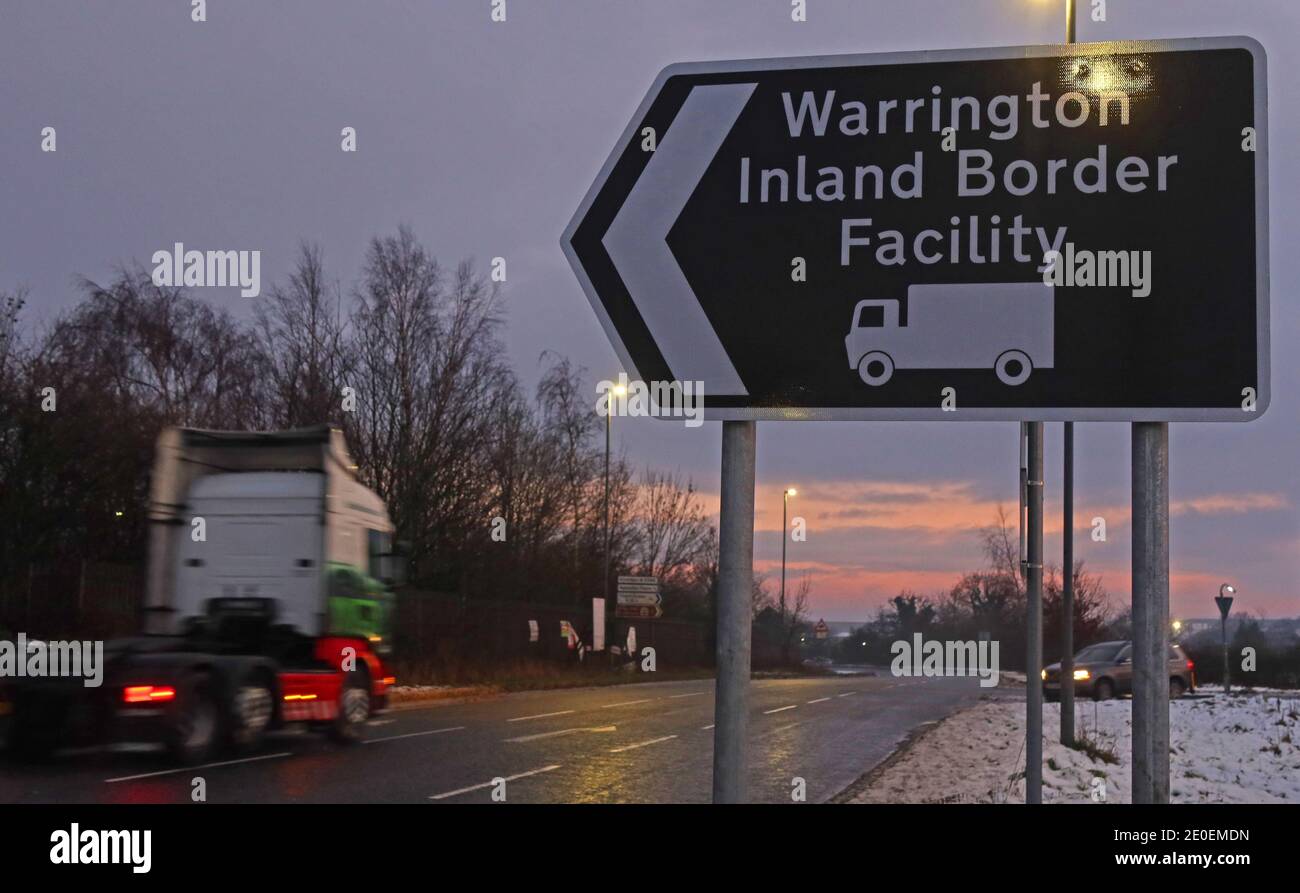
(484, 137)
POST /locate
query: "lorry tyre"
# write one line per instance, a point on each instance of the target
(251, 710)
(354, 708)
(1013, 367)
(876, 367)
(196, 724)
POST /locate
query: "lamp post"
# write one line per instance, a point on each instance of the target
(785, 503)
(1224, 601)
(617, 391)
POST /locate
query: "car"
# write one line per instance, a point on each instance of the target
(1105, 670)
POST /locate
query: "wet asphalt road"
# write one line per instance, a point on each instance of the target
(646, 743)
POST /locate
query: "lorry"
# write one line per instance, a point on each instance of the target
(1004, 326)
(267, 602)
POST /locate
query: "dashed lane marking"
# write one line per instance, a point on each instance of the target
(488, 784)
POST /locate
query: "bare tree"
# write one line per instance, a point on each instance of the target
(568, 416)
(303, 336)
(672, 532)
(428, 372)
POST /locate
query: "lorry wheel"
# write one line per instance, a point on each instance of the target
(195, 725)
(354, 709)
(1013, 367)
(876, 367)
(250, 713)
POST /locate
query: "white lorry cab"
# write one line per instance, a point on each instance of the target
(1004, 326)
(275, 515)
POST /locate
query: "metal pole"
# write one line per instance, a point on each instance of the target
(1150, 612)
(609, 413)
(1227, 678)
(1067, 594)
(735, 583)
(785, 504)
(1034, 643)
(1069, 21)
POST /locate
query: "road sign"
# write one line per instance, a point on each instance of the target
(821, 630)
(811, 239)
(642, 591)
(638, 612)
(652, 598)
(1225, 605)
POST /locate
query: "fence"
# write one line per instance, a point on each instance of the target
(102, 601)
(444, 626)
(79, 599)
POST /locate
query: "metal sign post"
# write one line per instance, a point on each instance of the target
(1224, 601)
(1034, 640)
(1150, 612)
(920, 235)
(735, 613)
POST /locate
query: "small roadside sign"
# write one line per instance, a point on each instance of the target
(638, 612)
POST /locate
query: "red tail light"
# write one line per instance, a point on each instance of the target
(1190, 665)
(148, 694)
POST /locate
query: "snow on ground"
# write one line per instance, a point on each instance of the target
(1236, 748)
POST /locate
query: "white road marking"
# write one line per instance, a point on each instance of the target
(642, 744)
(779, 709)
(541, 735)
(488, 784)
(847, 693)
(412, 735)
(540, 716)
(819, 700)
(694, 694)
(705, 728)
(627, 703)
(380, 722)
(269, 756)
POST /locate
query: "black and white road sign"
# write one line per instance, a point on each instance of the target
(1057, 232)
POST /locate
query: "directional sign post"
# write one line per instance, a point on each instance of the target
(1072, 233)
(639, 598)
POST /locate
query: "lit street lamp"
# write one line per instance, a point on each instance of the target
(617, 391)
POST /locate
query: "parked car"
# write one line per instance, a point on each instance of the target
(1105, 670)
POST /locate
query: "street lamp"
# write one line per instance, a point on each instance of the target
(785, 503)
(1224, 601)
(617, 391)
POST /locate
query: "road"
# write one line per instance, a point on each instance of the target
(644, 743)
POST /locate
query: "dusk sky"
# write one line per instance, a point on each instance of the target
(484, 138)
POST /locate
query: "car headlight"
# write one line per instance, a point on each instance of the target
(1082, 675)
(1043, 674)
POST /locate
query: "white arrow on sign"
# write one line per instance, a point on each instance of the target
(637, 240)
